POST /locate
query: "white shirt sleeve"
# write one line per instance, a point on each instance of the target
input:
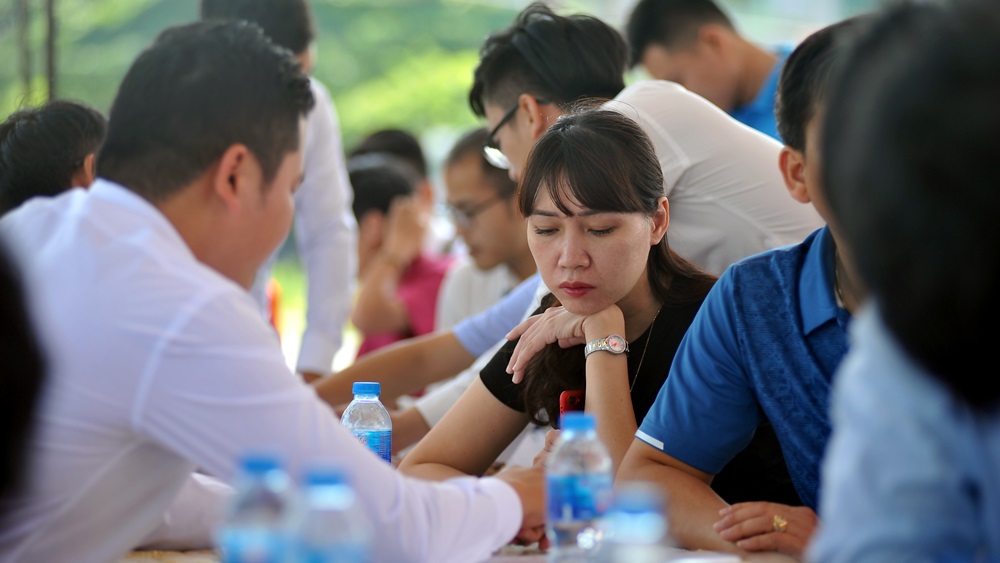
(197, 511)
(220, 388)
(326, 236)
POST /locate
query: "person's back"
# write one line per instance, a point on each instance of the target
(48, 149)
(727, 198)
(694, 43)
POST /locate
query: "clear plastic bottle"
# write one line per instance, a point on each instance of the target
(578, 486)
(327, 526)
(254, 530)
(635, 526)
(368, 419)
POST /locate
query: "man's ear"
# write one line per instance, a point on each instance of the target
(714, 38)
(233, 175)
(793, 169)
(540, 116)
(84, 175)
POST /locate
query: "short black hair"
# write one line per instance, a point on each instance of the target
(199, 89)
(909, 141)
(560, 59)
(669, 23)
(805, 78)
(23, 376)
(42, 147)
(377, 179)
(288, 23)
(472, 143)
(397, 142)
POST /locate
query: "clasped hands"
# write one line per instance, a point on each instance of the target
(767, 526)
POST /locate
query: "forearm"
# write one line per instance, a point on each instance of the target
(693, 507)
(377, 307)
(608, 396)
(408, 427)
(401, 368)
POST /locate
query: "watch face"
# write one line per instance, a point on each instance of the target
(616, 343)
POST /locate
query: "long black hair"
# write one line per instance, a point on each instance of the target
(605, 162)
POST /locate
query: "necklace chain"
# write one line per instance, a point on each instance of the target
(644, 348)
(837, 289)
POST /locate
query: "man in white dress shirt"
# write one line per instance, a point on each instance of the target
(160, 361)
(325, 229)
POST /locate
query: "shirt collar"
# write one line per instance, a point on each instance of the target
(149, 214)
(763, 102)
(817, 303)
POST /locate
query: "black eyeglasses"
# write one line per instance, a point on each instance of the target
(491, 149)
(463, 218)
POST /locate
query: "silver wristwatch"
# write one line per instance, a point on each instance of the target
(612, 343)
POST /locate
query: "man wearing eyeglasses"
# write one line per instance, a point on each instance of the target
(727, 199)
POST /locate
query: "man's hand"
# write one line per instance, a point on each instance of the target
(529, 483)
(550, 440)
(766, 526)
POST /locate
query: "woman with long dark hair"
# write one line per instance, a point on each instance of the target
(592, 193)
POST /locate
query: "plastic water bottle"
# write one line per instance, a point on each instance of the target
(635, 526)
(367, 418)
(254, 530)
(578, 485)
(327, 525)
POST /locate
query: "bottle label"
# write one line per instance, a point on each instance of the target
(378, 441)
(251, 546)
(578, 497)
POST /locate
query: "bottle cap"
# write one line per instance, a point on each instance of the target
(257, 463)
(325, 474)
(367, 388)
(577, 421)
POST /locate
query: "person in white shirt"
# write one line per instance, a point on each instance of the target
(160, 361)
(481, 203)
(325, 229)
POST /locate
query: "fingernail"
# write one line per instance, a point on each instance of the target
(717, 526)
(725, 511)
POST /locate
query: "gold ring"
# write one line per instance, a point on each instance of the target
(779, 524)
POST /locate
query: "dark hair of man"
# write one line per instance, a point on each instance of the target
(471, 144)
(605, 162)
(910, 165)
(805, 78)
(288, 23)
(670, 24)
(397, 142)
(23, 377)
(378, 179)
(42, 147)
(560, 59)
(198, 90)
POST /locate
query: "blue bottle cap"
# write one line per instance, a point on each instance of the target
(257, 463)
(577, 421)
(325, 474)
(367, 388)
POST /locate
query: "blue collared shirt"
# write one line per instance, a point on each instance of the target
(912, 473)
(759, 112)
(765, 343)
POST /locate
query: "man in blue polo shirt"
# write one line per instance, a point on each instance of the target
(694, 43)
(764, 345)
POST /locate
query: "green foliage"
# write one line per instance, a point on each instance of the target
(386, 62)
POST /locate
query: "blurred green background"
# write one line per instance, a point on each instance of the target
(387, 63)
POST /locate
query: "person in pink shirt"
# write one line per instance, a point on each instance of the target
(399, 280)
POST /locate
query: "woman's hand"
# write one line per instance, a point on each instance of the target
(766, 526)
(557, 324)
(550, 440)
